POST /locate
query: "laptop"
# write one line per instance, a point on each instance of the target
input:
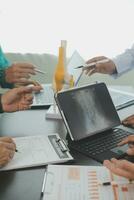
(92, 121)
(45, 98)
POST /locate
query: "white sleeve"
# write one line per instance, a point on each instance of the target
(124, 62)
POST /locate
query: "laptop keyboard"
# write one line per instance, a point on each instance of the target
(45, 96)
(100, 144)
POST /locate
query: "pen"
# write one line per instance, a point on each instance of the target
(44, 182)
(115, 183)
(93, 64)
(79, 78)
(39, 71)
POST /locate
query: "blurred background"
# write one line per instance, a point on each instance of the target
(93, 27)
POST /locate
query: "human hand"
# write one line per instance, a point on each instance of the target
(30, 82)
(7, 150)
(130, 141)
(103, 68)
(129, 121)
(120, 167)
(18, 98)
(19, 73)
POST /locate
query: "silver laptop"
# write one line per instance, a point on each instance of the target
(45, 98)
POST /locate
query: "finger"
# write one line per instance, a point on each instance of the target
(9, 146)
(24, 106)
(93, 71)
(24, 90)
(26, 71)
(26, 103)
(116, 170)
(28, 98)
(123, 164)
(11, 154)
(129, 122)
(35, 83)
(23, 75)
(37, 88)
(126, 140)
(130, 151)
(4, 161)
(23, 65)
(24, 81)
(95, 59)
(18, 75)
(7, 139)
(130, 117)
(90, 71)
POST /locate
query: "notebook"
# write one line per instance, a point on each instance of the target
(38, 150)
(45, 98)
(85, 183)
(92, 121)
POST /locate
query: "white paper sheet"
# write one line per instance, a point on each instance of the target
(34, 151)
(81, 183)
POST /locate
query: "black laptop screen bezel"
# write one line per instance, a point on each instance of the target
(60, 98)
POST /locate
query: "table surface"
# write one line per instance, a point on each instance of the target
(26, 184)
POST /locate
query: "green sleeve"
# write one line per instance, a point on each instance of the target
(4, 64)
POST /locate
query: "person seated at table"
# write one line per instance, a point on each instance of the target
(15, 73)
(13, 100)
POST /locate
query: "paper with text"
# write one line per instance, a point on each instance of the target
(35, 151)
(81, 183)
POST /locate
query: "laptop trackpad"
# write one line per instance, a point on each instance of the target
(120, 150)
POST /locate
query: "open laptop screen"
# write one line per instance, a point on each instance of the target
(87, 110)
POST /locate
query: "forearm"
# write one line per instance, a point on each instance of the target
(124, 62)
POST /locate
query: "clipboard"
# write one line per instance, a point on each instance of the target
(37, 151)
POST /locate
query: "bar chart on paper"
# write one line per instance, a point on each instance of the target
(85, 183)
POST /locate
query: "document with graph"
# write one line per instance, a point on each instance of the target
(85, 183)
(38, 150)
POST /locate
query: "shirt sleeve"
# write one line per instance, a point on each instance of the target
(4, 64)
(124, 62)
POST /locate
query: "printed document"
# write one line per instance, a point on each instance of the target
(83, 183)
